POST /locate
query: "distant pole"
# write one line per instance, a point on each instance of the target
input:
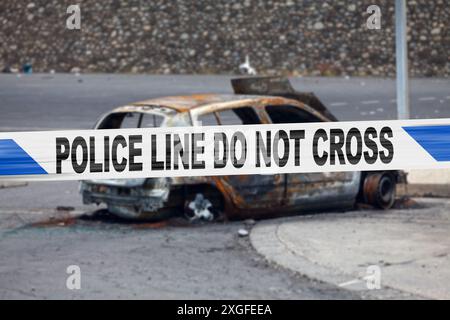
(402, 60)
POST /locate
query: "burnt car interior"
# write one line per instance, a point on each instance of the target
(279, 86)
(289, 114)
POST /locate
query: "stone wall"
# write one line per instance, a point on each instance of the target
(308, 37)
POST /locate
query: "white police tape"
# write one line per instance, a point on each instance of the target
(225, 150)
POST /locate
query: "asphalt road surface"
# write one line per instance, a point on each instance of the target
(146, 261)
(65, 101)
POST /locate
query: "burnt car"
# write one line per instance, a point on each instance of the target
(256, 101)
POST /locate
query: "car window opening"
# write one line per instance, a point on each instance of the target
(123, 120)
(290, 114)
(237, 116)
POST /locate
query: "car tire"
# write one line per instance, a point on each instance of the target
(379, 190)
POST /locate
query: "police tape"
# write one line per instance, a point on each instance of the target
(225, 150)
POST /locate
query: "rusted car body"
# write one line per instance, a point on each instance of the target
(271, 100)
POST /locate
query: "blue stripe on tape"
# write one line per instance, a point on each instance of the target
(15, 161)
(434, 139)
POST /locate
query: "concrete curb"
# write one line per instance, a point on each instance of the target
(429, 176)
(427, 183)
(4, 185)
(424, 190)
(337, 248)
(264, 238)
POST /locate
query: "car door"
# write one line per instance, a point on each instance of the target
(262, 192)
(313, 190)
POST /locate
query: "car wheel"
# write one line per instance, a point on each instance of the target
(380, 189)
(199, 208)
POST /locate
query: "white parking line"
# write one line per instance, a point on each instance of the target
(370, 102)
(338, 104)
(427, 99)
(348, 283)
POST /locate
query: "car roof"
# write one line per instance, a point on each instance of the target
(185, 103)
(169, 105)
